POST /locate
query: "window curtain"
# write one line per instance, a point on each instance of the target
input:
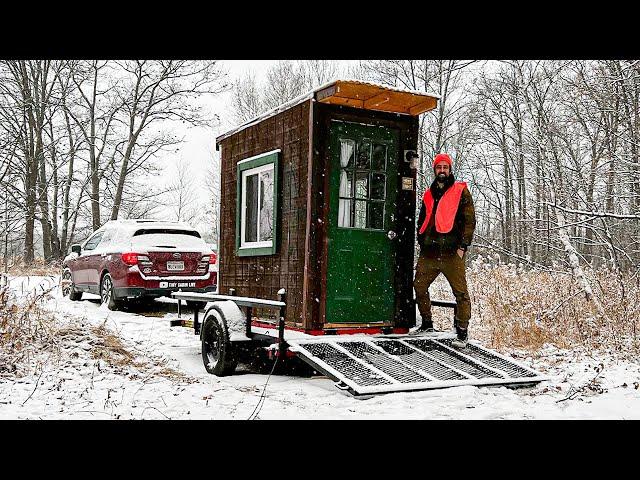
(344, 208)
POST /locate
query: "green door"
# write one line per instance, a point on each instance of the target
(361, 253)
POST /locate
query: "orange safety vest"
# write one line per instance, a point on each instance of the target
(447, 207)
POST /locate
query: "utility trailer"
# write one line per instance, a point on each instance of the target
(318, 200)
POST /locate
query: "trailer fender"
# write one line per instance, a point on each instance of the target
(232, 316)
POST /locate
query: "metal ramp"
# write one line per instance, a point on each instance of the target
(368, 364)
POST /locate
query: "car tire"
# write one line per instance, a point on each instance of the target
(107, 294)
(218, 354)
(69, 290)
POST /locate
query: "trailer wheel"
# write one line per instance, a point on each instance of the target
(217, 350)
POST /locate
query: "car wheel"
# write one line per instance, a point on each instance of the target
(217, 350)
(107, 295)
(68, 287)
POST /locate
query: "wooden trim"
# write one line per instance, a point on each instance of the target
(376, 101)
(249, 164)
(324, 199)
(430, 104)
(351, 102)
(307, 241)
(327, 92)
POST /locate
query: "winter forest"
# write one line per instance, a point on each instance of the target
(550, 150)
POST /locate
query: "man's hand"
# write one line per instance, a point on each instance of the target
(460, 252)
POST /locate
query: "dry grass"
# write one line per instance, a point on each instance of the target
(37, 267)
(108, 346)
(31, 336)
(26, 330)
(517, 308)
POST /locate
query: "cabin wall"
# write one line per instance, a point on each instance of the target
(263, 276)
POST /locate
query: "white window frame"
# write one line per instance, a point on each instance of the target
(243, 205)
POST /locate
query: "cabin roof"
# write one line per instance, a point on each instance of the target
(354, 93)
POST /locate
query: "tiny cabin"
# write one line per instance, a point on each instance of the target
(318, 197)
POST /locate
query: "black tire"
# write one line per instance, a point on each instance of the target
(217, 350)
(69, 289)
(193, 304)
(107, 295)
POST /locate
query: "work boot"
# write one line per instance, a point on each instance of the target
(427, 325)
(461, 339)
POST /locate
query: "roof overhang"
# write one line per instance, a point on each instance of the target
(369, 96)
(354, 93)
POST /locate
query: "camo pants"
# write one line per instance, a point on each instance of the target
(452, 267)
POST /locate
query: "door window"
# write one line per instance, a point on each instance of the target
(363, 179)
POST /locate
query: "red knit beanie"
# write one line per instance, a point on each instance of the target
(442, 157)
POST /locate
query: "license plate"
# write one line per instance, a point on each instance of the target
(175, 266)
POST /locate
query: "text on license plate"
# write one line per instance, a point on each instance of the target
(173, 266)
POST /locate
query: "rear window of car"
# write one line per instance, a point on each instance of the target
(168, 238)
(158, 231)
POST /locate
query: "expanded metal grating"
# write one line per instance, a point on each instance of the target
(454, 359)
(354, 371)
(387, 363)
(492, 360)
(419, 360)
(366, 364)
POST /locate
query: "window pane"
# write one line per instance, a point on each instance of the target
(361, 214)
(251, 209)
(93, 243)
(347, 152)
(266, 206)
(346, 183)
(107, 237)
(376, 215)
(364, 155)
(378, 160)
(362, 185)
(344, 213)
(378, 181)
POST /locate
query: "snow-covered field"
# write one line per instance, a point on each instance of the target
(125, 365)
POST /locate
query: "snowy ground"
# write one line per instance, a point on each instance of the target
(121, 365)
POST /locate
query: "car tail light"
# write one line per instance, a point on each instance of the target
(213, 258)
(132, 258)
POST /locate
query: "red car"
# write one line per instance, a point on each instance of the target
(135, 259)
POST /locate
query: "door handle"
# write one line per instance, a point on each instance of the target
(391, 234)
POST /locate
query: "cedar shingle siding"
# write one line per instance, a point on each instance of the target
(263, 276)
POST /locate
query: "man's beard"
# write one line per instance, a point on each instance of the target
(441, 177)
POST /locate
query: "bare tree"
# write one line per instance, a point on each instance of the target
(154, 92)
(185, 207)
(284, 81)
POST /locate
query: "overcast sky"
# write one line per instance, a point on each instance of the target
(199, 143)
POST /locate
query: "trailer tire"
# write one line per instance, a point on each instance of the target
(218, 353)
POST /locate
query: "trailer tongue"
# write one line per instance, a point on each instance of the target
(366, 364)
